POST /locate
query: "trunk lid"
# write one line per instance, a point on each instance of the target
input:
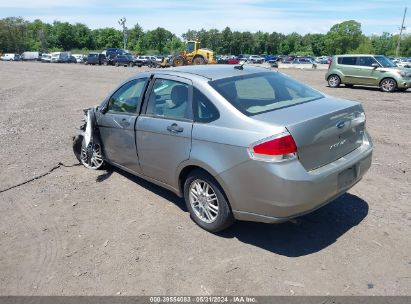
(324, 130)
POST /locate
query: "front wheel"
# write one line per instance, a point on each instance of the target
(206, 202)
(198, 60)
(388, 85)
(334, 81)
(91, 155)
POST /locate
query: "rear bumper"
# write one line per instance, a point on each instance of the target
(271, 193)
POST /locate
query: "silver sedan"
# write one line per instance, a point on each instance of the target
(236, 142)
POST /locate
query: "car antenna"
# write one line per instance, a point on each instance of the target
(240, 66)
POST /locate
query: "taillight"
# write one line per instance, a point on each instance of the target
(276, 148)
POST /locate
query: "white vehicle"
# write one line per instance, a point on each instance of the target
(30, 56)
(9, 57)
(60, 56)
(45, 57)
(79, 57)
(256, 59)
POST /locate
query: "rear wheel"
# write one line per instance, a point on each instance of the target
(334, 81)
(206, 202)
(198, 60)
(388, 85)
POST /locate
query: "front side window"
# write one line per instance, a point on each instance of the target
(127, 98)
(385, 62)
(263, 92)
(169, 99)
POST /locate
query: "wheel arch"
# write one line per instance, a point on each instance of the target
(189, 167)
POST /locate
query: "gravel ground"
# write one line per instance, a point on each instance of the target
(81, 232)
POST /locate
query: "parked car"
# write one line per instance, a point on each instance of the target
(31, 56)
(124, 60)
(45, 58)
(95, 58)
(233, 60)
(372, 70)
(300, 60)
(61, 57)
(237, 143)
(255, 59)
(111, 53)
(79, 58)
(9, 57)
(143, 60)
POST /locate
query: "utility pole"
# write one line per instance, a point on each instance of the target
(122, 22)
(397, 52)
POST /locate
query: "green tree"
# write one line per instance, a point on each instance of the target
(343, 37)
(158, 38)
(107, 37)
(227, 41)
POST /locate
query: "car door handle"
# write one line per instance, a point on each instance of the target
(174, 128)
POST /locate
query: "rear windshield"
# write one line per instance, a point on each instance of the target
(263, 92)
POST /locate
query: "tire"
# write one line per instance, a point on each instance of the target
(334, 81)
(178, 61)
(348, 85)
(215, 218)
(198, 60)
(105, 63)
(96, 161)
(388, 85)
(77, 141)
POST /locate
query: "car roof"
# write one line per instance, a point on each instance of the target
(356, 55)
(214, 72)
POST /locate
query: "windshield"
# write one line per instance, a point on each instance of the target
(263, 92)
(385, 62)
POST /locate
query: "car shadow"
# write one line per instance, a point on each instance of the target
(307, 234)
(164, 193)
(302, 236)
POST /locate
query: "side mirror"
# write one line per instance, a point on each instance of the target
(375, 65)
(104, 108)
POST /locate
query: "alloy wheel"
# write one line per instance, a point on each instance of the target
(91, 156)
(203, 201)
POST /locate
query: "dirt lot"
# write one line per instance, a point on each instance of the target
(80, 232)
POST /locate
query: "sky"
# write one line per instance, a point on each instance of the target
(177, 16)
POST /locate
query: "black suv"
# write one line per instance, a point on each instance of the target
(111, 53)
(94, 58)
(124, 60)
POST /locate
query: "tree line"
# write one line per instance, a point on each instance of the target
(19, 35)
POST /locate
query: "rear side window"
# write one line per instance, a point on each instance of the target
(169, 99)
(366, 61)
(347, 60)
(204, 110)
